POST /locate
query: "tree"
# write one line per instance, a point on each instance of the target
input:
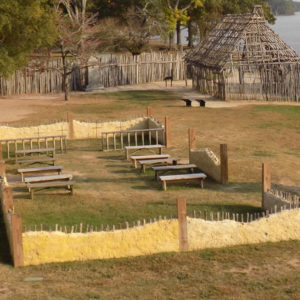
(25, 26)
(132, 33)
(76, 36)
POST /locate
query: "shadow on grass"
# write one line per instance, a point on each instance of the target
(236, 187)
(214, 207)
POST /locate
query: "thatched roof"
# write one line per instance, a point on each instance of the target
(245, 39)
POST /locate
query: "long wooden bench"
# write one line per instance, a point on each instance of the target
(37, 160)
(165, 169)
(136, 158)
(142, 147)
(48, 155)
(48, 178)
(47, 185)
(162, 161)
(39, 170)
(182, 177)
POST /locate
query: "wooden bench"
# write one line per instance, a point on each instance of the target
(37, 161)
(194, 102)
(48, 152)
(47, 185)
(195, 176)
(165, 169)
(162, 161)
(37, 179)
(136, 158)
(49, 169)
(142, 147)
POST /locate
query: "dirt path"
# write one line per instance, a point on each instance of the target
(17, 107)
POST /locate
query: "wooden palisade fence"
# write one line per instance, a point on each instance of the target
(113, 70)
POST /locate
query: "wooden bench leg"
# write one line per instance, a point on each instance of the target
(156, 175)
(201, 180)
(71, 189)
(135, 163)
(127, 154)
(143, 168)
(164, 185)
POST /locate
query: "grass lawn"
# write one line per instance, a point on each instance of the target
(109, 191)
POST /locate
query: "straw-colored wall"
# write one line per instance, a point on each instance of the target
(7, 132)
(81, 129)
(88, 130)
(46, 247)
(278, 227)
(162, 236)
(207, 162)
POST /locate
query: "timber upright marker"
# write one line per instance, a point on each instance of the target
(266, 181)
(224, 163)
(167, 132)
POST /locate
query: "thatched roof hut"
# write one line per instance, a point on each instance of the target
(243, 58)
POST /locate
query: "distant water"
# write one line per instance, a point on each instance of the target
(288, 28)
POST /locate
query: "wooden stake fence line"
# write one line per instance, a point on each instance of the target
(113, 71)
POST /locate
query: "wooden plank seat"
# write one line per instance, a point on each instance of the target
(48, 169)
(48, 154)
(136, 158)
(165, 169)
(48, 178)
(142, 147)
(163, 161)
(37, 160)
(47, 185)
(35, 151)
(182, 177)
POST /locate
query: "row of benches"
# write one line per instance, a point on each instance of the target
(46, 181)
(163, 163)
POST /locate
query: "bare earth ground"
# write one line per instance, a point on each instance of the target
(109, 191)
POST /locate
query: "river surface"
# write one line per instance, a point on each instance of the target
(287, 27)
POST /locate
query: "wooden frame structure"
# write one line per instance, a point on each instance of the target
(243, 58)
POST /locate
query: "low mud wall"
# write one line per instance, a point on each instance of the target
(207, 162)
(162, 236)
(46, 247)
(80, 129)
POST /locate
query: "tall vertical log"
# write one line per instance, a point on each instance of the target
(224, 163)
(182, 225)
(266, 180)
(167, 132)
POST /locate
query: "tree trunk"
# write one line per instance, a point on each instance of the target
(65, 85)
(171, 40)
(178, 33)
(67, 88)
(190, 34)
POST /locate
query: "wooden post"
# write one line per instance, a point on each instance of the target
(8, 203)
(167, 132)
(1, 154)
(149, 111)
(17, 245)
(2, 168)
(224, 163)
(266, 180)
(192, 139)
(71, 128)
(182, 225)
